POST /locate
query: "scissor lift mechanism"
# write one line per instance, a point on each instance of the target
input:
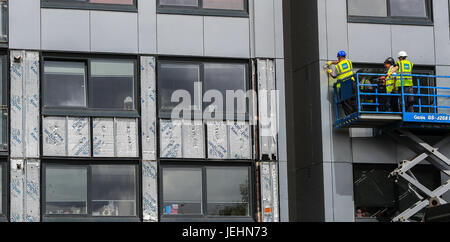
(399, 126)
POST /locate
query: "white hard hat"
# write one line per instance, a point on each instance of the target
(402, 54)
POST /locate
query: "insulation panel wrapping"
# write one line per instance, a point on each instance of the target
(193, 139)
(170, 132)
(78, 130)
(148, 107)
(269, 191)
(16, 187)
(126, 137)
(54, 135)
(32, 191)
(24, 102)
(103, 137)
(150, 190)
(240, 145)
(268, 108)
(217, 139)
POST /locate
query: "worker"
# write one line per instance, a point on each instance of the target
(404, 67)
(389, 82)
(344, 70)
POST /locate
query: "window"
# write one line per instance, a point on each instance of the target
(90, 85)
(3, 105)
(381, 199)
(206, 192)
(207, 84)
(205, 7)
(390, 11)
(98, 191)
(122, 5)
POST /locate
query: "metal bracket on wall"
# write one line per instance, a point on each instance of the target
(427, 152)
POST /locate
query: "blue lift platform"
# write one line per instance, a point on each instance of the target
(360, 102)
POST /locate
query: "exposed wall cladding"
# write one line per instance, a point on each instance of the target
(269, 191)
(150, 191)
(217, 139)
(126, 137)
(193, 139)
(24, 104)
(268, 108)
(170, 139)
(71, 137)
(240, 142)
(103, 137)
(148, 107)
(25, 190)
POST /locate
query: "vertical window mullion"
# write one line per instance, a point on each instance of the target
(89, 189)
(87, 84)
(388, 7)
(204, 193)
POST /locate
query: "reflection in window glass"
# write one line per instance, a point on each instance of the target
(113, 190)
(372, 8)
(408, 8)
(64, 84)
(228, 191)
(224, 4)
(380, 198)
(66, 190)
(112, 85)
(182, 191)
(185, 3)
(226, 77)
(174, 77)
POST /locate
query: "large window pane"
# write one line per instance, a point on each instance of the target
(64, 84)
(224, 4)
(113, 190)
(185, 3)
(182, 191)
(174, 77)
(228, 191)
(112, 85)
(223, 78)
(408, 8)
(370, 8)
(66, 190)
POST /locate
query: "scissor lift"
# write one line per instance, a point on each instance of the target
(405, 127)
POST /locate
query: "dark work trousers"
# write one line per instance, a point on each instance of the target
(397, 102)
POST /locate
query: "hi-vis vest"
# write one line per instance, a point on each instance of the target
(390, 81)
(404, 67)
(344, 70)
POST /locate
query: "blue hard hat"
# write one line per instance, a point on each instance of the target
(341, 54)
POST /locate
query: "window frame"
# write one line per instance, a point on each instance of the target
(202, 62)
(67, 4)
(204, 203)
(88, 217)
(87, 111)
(185, 10)
(5, 20)
(397, 20)
(5, 109)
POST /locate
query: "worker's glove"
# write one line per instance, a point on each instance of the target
(389, 74)
(330, 71)
(329, 63)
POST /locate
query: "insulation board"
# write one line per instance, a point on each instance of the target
(148, 107)
(217, 139)
(240, 145)
(54, 133)
(78, 130)
(126, 137)
(103, 137)
(170, 132)
(193, 139)
(150, 191)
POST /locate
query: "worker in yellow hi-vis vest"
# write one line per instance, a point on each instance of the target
(404, 68)
(389, 82)
(344, 70)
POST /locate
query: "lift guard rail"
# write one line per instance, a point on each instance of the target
(431, 105)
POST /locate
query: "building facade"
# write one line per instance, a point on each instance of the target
(342, 174)
(89, 92)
